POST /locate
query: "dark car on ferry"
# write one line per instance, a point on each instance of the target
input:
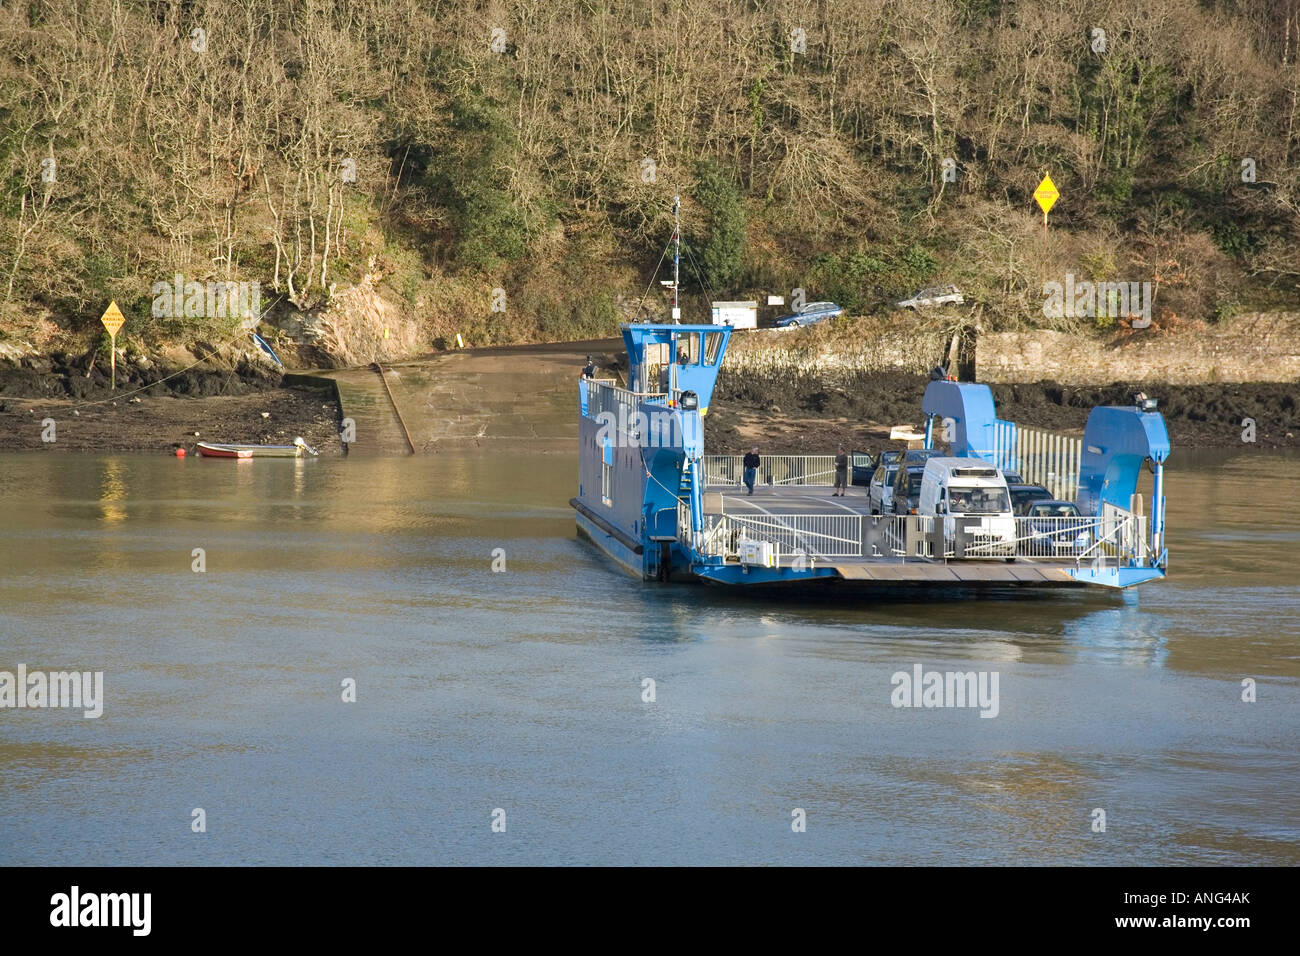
(1022, 496)
(907, 488)
(863, 465)
(921, 455)
(1056, 529)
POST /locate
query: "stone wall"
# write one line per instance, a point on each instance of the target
(867, 345)
(1252, 348)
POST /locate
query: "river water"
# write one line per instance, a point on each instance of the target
(521, 690)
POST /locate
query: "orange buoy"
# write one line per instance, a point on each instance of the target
(180, 452)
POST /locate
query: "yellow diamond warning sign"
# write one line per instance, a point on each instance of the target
(112, 318)
(1046, 194)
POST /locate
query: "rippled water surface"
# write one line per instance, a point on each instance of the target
(522, 690)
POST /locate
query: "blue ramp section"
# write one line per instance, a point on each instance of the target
(1116, 441)
(970, 408)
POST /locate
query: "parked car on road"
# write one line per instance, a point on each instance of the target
(1022, 496)
(810, 314)
(933, 296)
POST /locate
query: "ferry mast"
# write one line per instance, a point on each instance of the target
(677, 257)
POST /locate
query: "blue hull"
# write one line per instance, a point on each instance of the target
(619, 553)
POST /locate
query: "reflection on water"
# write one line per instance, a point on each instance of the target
(112, 491)
(524, 689)
(1121, 635)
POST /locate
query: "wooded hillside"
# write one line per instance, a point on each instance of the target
(445, 149)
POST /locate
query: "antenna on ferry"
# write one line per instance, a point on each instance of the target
(677, 256)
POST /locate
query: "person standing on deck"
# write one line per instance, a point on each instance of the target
(841, 473)
(752, 461)
(589, 370)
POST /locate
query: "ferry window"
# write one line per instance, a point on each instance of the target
(655, 358)
(712, 345)
(688, 350)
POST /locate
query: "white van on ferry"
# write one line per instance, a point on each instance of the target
(970, 494)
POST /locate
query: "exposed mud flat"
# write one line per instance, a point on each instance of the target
(149, 411)
(800, 412)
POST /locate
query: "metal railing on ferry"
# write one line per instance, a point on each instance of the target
(1094, 542)
(603, 395)
(729, 470)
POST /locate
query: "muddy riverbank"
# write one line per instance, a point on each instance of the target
(59, 404)
(155, 408)
(800, 412)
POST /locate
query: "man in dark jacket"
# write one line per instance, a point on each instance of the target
(751, 463)
(841, 473)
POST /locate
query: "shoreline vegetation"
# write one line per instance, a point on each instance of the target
(391, 176)
(375, 179)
